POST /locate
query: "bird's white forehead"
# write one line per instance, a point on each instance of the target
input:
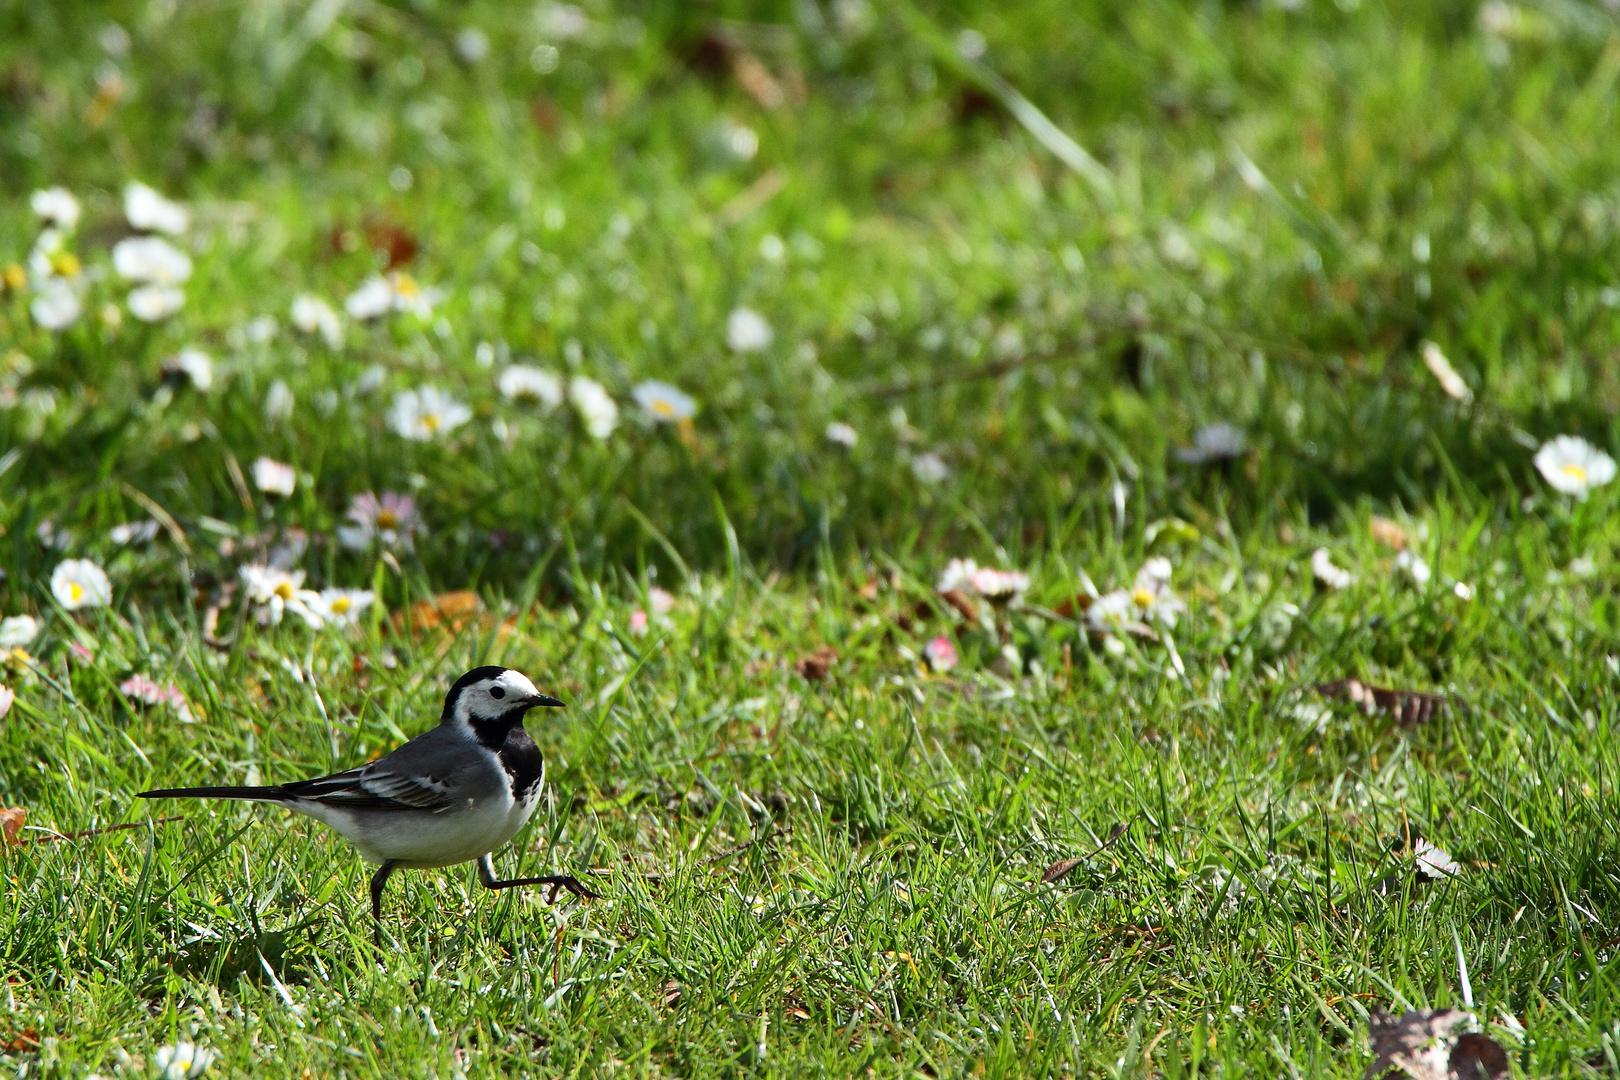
(516, 680)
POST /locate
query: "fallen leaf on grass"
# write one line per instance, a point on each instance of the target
(1409, 707)
(672, 994)
(12, 821)
(1060, 868)
(1419, 1044)
(21, 1041)
(451, 610)
(816, 666)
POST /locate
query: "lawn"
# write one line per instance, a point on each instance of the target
(676, 355)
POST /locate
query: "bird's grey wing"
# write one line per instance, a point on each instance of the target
(426, 773)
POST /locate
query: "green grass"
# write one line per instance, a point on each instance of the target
(946, 285)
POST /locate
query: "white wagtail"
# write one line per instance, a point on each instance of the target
(448, 796)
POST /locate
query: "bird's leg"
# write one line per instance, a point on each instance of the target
(378, 880)
(486, 877)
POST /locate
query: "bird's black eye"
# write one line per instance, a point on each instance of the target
(497, 692)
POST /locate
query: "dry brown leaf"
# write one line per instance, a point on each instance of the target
(20, 1042)
(672, 994)
(1060, 868)
(1408, 707)
(451, 610)
(1417, 1043)
(816, 665)
(1389, 533)
(12, 821)
(1478, 1057)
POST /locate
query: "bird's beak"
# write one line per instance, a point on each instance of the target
(543, 701)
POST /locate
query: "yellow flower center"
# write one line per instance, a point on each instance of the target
(67, 264)
(75, 592)
(1575, 472)
(15, 276)
(663, 408)
(285, 590)
(341, 605)
(387, 520)
(1142, 598)
(405, 285)
(432, 421)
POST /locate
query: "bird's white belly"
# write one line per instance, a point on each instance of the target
(424, 839)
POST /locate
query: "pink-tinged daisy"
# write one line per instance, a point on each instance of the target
(940, 653)
(144, 690)
(391, 518)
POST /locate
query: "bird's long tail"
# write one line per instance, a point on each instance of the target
(255, 794)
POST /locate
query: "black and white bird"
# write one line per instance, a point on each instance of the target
(451, 795)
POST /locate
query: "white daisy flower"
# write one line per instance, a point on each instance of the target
(1152, 595)
(524, 382)
(17, 631)
(278, 403)
(747, 331)
(409, 295)
(597, 409)
(182, 1061)
(664, 403)
(1000, 586)
(1113, 612)
(151, 259)
(1329, 575)
(662, 601)
(274, 477)
(7, 697)
(277, 592)
(1573, 465)
(80, 583)
(342, 607)
(930, 468)
(56, 206)
(151, 212)
(197, 366)
(374, 297)
(154, 303)
(56, 306)
(958, 576)
(312, 315)
(426, 413)
(1213, 443)
(842, 434)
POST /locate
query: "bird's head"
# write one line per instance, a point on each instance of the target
(489, 696)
